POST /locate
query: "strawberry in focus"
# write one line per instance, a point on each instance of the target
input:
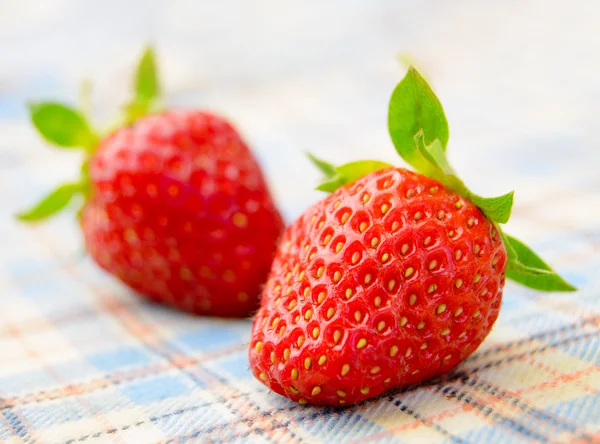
(390, 281)
(394, 278)
(176, 205)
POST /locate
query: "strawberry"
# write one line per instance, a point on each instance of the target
(179, 211)
(175, 205)
(394, 278)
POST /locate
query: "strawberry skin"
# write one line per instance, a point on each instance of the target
(389, 281)
(179, 211)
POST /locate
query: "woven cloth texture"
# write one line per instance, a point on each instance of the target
(83, 360)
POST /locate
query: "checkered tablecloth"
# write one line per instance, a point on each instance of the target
(83, 360)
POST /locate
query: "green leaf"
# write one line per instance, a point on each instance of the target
(497, 209)
(135, 110)
(438, 166)
(513, 260)
(355, 170)
(434, 153)
(413, 107)
(147, 89)
(325, 167)
(51, 204)
(527, 268)
(511, 253)
(146, 79)
(62, 125)
(350, 172)
(331, 184)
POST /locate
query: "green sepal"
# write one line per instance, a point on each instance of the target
(146, 88)
(51, 204)
(134, 111)
(85, 183)
(435, 154)
(62, 125)
(497, 209)
(413, 107)
(350, 172)
(528, 269)
(325, 167)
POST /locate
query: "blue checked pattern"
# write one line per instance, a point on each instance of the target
(83, 360)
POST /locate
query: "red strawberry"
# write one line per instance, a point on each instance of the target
(178, 209)
(180, 212)
(386, 282)
(392, 279)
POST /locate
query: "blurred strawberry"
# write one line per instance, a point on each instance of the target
(175, 204)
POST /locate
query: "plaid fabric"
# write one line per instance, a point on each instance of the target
(82, 360)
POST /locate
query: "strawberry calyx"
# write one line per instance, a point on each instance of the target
(147, 90)
(419, 130)
(69, 128)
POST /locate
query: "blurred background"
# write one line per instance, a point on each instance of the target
(519, 79)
